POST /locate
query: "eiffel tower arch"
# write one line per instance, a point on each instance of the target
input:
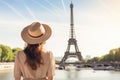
(71, 42)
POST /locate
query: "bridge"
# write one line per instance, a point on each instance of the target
(92, 64)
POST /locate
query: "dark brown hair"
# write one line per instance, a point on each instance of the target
(33, 55)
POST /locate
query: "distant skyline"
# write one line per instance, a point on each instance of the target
(96, 23)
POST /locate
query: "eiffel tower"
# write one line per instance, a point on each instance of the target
(71, 42)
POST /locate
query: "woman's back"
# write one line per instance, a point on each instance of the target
(45, 69)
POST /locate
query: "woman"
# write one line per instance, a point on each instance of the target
(35, 62)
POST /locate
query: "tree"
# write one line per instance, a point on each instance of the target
(15, 51)
(117, 55)
(5, 53)
(94, 59)
(111, 56)
(0, 53)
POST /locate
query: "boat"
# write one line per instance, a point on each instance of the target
(110, 68)
(103, 68)
(6, 66)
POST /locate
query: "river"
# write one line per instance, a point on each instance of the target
(83, 74)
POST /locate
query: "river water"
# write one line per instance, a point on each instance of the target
(83, 74)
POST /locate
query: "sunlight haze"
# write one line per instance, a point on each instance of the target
(96, 23)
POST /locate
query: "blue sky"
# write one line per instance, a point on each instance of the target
(96, 22)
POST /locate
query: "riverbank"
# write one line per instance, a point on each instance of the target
(6, 65)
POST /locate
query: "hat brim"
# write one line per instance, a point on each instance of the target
(31, 40)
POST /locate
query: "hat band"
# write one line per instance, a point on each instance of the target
(35, 36)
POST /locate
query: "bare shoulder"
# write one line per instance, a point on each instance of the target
(20, 53)
(50, 53)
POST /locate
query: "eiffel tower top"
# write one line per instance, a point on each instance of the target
(72, 32)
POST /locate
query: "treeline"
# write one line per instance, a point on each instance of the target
(112, 56)
(7, 54)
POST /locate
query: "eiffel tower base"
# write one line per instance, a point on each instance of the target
(66, 56)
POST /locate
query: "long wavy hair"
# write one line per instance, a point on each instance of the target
(33, 54)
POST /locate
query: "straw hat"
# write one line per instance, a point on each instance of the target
(36, 33)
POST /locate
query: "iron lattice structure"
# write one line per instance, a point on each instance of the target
(71, 42)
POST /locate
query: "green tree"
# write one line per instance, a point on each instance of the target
(15, 51)
(5, 53)
(0, 53)
(111, 56)
(117, 55)
(95, 59)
